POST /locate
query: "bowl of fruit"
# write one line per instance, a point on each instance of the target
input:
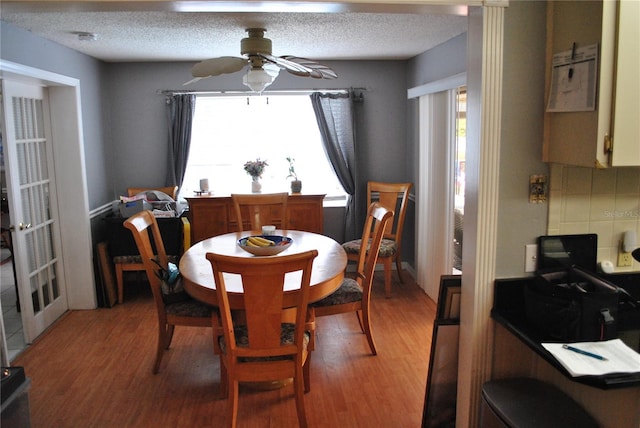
(265, 245)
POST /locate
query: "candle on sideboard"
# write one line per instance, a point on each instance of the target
(204, 184)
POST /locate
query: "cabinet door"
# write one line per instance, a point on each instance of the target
(626, 126)
(208, 218)
(305, 214)
(577, 138)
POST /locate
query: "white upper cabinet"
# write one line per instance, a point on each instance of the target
(609, 135)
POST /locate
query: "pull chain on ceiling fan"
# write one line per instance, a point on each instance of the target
(263, 66)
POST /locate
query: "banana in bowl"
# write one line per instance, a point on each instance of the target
(265, 245)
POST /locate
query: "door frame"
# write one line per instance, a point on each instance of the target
(70, 176)
(41, 282)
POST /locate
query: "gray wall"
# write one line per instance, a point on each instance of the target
(20, 46)
(520, 222)
(138, 109)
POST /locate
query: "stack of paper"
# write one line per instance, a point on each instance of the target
(617, 357)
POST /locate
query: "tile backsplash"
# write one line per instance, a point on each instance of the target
(601, 201)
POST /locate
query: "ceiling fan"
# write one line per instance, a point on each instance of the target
(264, 67)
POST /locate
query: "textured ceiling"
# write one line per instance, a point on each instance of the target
(156, 34)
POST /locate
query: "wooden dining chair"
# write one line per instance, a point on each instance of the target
(260, 210)
(354, 295)
(394, 196)
(172, 310)
(132, 262)
(266, 346)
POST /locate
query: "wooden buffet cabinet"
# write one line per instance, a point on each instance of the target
(215, 215)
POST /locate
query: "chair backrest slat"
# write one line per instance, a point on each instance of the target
(378, 218)
(394, 196)
(260, 210)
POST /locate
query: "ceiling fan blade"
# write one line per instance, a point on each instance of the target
(194, 80)
(217, 66)
(316, 70)
(290, 66)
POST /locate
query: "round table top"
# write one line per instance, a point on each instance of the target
(326, 276)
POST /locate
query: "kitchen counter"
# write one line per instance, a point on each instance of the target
(508, 310)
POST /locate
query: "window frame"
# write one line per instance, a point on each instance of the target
(335, 196)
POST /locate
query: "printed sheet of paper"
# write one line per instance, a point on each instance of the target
(574, 80)
(619, 358)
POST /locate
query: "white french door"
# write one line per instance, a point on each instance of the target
(32, 205)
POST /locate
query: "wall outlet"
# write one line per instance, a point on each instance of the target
(530, 257)
(624, 259)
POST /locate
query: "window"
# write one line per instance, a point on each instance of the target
(229, 130)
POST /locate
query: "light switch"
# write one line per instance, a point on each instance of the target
(530, 257)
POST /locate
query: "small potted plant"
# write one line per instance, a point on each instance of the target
(296, 185)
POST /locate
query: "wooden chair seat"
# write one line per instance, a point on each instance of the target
(287, 337)
(349, 292)
(388, 247)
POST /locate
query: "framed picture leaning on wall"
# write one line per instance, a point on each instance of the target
(442, 377)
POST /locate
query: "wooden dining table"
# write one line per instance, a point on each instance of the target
(326, 275)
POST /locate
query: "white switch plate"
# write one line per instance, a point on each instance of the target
(530, 257)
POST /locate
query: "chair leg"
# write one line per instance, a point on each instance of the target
(160, 348)
(169, 336)
(387, 277)
(232, 405)
(399, 267)
(306, 372)
(298, 384)
(224, 380)
(360, 322)
(119, 282)
(363, 316)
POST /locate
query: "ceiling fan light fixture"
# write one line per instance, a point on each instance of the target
(264, 67)
(257, 79)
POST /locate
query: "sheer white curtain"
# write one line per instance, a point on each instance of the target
(435, 205)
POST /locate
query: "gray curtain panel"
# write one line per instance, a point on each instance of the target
(180, 109)
(335, 115)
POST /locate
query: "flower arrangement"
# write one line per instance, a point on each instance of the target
(292, 169)
(255, 168)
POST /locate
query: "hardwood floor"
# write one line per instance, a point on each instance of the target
(93, 369)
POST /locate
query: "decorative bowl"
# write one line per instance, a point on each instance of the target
(280, 243)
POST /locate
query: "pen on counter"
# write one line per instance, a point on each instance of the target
(588, 354)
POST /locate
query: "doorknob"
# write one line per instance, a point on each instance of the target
(21, 226)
